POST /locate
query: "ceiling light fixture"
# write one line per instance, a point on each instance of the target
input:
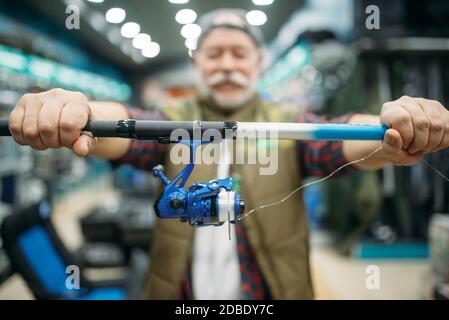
(141, 40)
(256, 17)
(115, 15)
(151, 50)
(186, 16)
(130, 30)
(263, 2)
(191, 43)
(191, 31)
(178, 1)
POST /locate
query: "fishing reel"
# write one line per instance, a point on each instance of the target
(202, 204)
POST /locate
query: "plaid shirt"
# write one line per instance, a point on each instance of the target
(318, 158)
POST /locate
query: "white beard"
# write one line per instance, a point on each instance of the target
(227, 104)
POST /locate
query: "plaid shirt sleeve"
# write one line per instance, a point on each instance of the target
(144, 154)
(321, 158)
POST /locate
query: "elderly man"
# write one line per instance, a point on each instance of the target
(268, 256)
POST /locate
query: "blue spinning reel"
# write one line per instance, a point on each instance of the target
(203, 204)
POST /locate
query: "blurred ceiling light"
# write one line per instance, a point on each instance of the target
(191, 31)
(113, 36)
(191, 43)
(141, 40)
(178, 1)
(115, 15)
(97, 21)
(186, 16)
(95, 1)
(126, 47)
(79, 3)
(263, 2)
(151, 50)
(130, 30)
(256, 17)
(137, 57)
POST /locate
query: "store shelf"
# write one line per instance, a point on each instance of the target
(391, 251)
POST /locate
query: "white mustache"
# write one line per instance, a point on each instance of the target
(235, 77)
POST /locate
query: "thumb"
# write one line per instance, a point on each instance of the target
(84, 145)
(393, 139)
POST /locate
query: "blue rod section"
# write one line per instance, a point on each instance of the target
(349, 132)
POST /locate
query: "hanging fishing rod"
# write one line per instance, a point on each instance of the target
(167, 131)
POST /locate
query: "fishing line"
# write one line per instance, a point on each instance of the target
(309, 184)
(328, 177)
(435, 169)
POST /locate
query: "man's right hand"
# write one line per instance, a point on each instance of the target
(52, 119)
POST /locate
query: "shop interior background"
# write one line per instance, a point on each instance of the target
(321, 56)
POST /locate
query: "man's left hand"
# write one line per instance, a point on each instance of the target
(416, 126)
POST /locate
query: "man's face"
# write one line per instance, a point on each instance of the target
(228, 63)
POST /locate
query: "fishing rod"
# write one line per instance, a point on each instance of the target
(213, 202)
(165, 131)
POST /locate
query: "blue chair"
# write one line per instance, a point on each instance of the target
(39, 256)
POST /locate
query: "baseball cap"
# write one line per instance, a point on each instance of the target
(229, 19)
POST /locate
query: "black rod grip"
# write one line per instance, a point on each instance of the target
(98, 128)
(4, 128)
(122, 128)
(164, 129)
(143, 129)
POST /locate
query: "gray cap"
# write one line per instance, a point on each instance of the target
(229, 19)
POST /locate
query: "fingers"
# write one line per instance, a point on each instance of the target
(74, 117)
(445, 141)
(16, 122)
(434, 112)
(48, 121)
(421, 124)
(30, 125)
(418, 126)
(51, 119)
(396, 117)
(393, 149)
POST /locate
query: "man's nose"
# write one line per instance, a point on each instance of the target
(228, 63)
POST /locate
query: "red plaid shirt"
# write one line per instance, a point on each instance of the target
(318, 158)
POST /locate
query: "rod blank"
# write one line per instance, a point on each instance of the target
(163, 130)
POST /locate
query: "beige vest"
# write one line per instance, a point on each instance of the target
(278, 235)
